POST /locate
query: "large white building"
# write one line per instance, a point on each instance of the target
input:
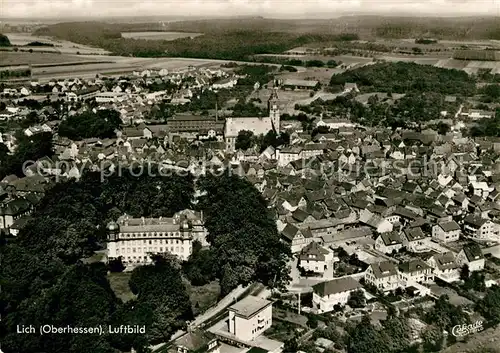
(135, 239)
(335, 292)
(257, 125)
(250, 317)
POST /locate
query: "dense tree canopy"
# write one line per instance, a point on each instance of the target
(489, 306)
(159, 286)
(244, 140)
(43, 280)
(403, 77)
(4, 40)
(29, 149)
(487, 126)
(242, 234)
(101, 124)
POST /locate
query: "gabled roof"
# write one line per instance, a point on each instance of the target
(300, 215)
(449, 226)
(473, 252)
(413, 266)
(445, 261)
(475, 220)
(313, 251)
(384, 269)
(334, 286)
(391, 238)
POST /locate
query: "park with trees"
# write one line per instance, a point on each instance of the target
(45, 280)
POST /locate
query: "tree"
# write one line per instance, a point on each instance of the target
(489, 306)
(28, 149)
(4, 41)
(464, 272)
(116, 265)
(159, 286)
(101, 124)
(396, 332)
(244, 140)
(433, 339)
(242, 233)
(312, 321)
(4, 152)
(443, 128)
(365, 338)
(291, 346)
(356, 299)
(445, 315)
(31, 119)
(275, 140)
(331, 63)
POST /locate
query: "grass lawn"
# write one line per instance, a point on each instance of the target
(282, 330)
(119, 284)
(203, 297)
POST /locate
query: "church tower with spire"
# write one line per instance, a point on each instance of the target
(274, 110)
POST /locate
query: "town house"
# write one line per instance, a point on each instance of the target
(388, 242)
(383, 275)
(446, 231)
(415, 272)
(472, 256)
(315, 258)
(444, 267)
(480, 228)
(335, 292)
(414, 240)
(250, 317)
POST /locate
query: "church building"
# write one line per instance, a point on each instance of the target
(257, 125)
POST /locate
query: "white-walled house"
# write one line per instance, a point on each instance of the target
(480, 228)
(335, 292)
(472, 256)
(414, 240)
(250, 317)
(415, 271)
(446, 231)
(315, 258)
(383, 275)
(445, 267)
(388, 242)
(297, 238)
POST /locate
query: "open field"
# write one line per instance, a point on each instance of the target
(203, 297)
(159, 35)
(19, 58)
(90, 65)
(61, 46)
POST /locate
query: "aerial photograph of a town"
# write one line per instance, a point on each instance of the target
(249, 176)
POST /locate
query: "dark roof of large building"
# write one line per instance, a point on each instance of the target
(338, 285)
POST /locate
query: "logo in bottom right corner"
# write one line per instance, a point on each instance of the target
(465, 330)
